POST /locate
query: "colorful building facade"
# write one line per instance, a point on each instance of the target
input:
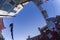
(1, 28)
(48, 33)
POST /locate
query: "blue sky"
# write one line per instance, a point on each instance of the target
(29, 19)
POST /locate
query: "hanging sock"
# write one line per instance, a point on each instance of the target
(11, 29)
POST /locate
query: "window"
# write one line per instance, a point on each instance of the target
(7, 7)
(44, 30)
(55, 22)
(59, 23)
(15, 1)
(51, 25)
(12, 2)
(49, 36)
(14, 11)
(1, 2)
(59, 32)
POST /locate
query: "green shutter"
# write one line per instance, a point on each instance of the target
(1, 36)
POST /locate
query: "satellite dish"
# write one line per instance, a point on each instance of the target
(9, 8)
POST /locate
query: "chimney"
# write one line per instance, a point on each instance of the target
(29, 38)
(44, 13)
(39, 30)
